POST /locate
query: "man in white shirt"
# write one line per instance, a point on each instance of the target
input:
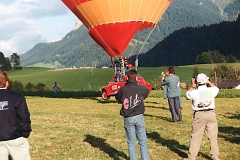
(204, 118)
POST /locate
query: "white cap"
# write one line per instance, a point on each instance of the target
(202, 78)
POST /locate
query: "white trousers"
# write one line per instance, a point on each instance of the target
(17, 148)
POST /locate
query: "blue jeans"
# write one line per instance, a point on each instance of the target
(55, 91)
(135, 128)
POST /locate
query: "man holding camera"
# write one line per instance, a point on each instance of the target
(171, 82)
(204, 118)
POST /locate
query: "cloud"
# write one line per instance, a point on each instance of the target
(25, 23)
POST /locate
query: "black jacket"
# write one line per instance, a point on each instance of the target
(14, 116)
(131, 96)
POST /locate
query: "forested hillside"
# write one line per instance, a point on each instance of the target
(183, 46)
(78, 49)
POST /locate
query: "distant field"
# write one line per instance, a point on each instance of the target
(56, 64)
(210, 66)
(93, 79)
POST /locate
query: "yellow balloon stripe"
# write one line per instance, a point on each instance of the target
(98, 12)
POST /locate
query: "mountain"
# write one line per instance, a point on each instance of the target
(78, 49)
(183, 46)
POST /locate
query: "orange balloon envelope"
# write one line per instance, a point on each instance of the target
(113, 23)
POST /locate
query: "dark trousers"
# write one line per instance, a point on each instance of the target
(174, 106)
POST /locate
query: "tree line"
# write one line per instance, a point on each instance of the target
(215, 56)
(219, 73)
(17, 86)
(182, 47)
(9, 63)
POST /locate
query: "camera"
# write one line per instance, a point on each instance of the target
(194, 80)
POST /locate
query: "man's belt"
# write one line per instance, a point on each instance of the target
(204, 110)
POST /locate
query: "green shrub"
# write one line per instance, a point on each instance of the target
(46, 88)
(16, 86)
(40, 86)
(30, 87)
(225, 72)
(18, 67)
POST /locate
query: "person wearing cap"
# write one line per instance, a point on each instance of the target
(15, 123)
(204, 118)
(129, 67)
(172, 83)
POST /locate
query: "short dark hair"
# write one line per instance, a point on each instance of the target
(171, 70)
(132, 75)
(3, 78)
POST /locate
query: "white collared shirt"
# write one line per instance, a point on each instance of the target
(203, 97)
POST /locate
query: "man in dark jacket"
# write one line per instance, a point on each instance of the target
(131, 96)
(15, 123)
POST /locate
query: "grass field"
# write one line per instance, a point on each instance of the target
(92, 129)
(94, 79)
(74, 128)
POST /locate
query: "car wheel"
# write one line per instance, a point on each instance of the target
(104, 95)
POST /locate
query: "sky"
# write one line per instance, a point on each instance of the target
(24, 23)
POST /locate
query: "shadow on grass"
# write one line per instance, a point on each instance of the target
(65, 94)
(171, 144)
(231, 134)
(160, 117)
(163, 108)
(103, 146)
(106, 101)
(151, 102)
(232, 116)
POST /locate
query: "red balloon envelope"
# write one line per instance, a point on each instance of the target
(113, 23)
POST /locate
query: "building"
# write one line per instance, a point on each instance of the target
(229, 84)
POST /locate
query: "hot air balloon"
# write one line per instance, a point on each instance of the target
(113, 23)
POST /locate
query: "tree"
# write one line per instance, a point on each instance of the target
(217, 57)
(2, 60)
(4, 63)
(15, 59)
(204, 58)
(30, 87)
(231, 59)
(40, 86)
(7, 66)
(156, 83)
(225, 72)
(195, 72)
(16, 86)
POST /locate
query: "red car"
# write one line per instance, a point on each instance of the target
(117, 82)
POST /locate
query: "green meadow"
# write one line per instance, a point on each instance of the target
(90, 79)
(70, 127)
